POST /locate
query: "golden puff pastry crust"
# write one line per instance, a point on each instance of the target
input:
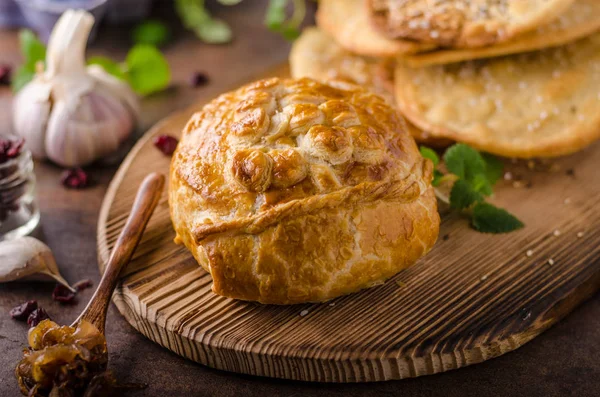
(290, 191)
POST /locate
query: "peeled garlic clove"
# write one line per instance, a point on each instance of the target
(27, 258)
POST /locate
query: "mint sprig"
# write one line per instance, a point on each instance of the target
(145, 68)
(474, 175)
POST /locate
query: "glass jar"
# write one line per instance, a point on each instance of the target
(19, 213)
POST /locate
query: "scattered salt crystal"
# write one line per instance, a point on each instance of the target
(484, 277)
(332, 304)
(508, 176)
(556, 233)
(529, 252)
(580, 235)
(303, 313)
(551, 261)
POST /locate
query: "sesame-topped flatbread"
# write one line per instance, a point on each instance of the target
(316, 55)
(538, 104)
(347, 21)
(463, 24)
(580, 20)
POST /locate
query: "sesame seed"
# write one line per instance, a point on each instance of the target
(556, 233)
(551, 261)
(303, 313)
(484, 277)
(529, 253)
(580, 235)
(508, 176)
(332, 304)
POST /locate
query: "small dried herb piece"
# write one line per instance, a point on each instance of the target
(37, 316)
(198, 79)
(83, 284)
(62, 294)
(10, 149)
(166, 144)
(22, 312)
(75, 178)
(5, 71)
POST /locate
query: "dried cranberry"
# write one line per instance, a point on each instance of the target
(83, 284)
(198, 79)
(5, 72)
(166, 144)
(62, 294)
(9, 149)
(37, 316)
(23, 311)
(75, 178)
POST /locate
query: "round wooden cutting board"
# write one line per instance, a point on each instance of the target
(474, 297)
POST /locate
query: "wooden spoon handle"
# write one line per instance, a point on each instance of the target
(145, 202)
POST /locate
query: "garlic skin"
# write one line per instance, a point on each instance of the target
(27, 258)
(70, 113)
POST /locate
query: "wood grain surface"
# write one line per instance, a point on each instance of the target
(474, 297)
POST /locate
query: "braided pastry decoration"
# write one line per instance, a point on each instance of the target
(291, 191)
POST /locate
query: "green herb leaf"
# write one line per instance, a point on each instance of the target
(214, 31)
(275, 16)
(437, 178)
(196, 18)
(481, 184)
(109, 66)
(430, 154)
(463, 195)
(151, 32)
(34, 51)
(32, 48)
(464, 161)
(494, 169)
(147, 71)
(490, 219)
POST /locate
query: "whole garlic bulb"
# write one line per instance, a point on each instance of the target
(70, 113)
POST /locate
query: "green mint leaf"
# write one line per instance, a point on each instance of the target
(481, 184)
(110, 66)
(214, 31)
(494, 169)
(464, 161)
(275, 16)
(196, 18)
(34, 51)
(437, 178)
(487, 218)
(430, 154)
(147, 71)
(20, 78)
(463, 195)
(32, 48)
(151, 32)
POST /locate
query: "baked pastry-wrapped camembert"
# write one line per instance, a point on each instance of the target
(291, 191)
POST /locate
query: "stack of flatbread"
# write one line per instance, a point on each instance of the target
(517, 78)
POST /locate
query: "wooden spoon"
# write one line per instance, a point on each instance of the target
(145, 202)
